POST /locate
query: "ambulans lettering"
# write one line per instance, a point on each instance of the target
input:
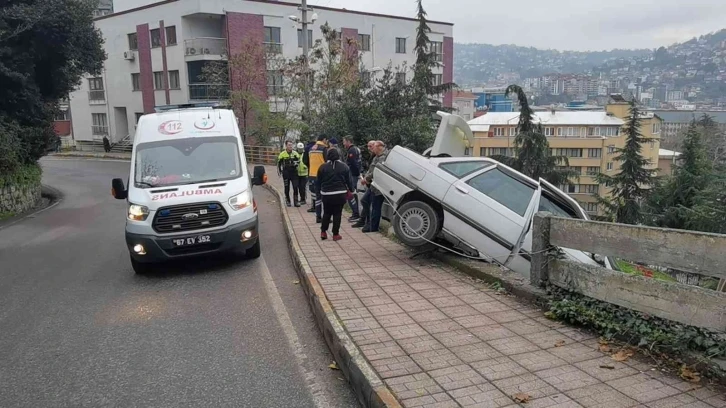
(175, 194)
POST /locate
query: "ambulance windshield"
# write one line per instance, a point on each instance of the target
(187, 161)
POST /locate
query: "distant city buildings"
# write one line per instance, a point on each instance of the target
(464, 104)
(492, 100)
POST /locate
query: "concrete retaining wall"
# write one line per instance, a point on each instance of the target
(18, 199)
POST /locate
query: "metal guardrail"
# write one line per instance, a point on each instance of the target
(205, 46)
(208, 92)
(262, 154)
(695, 252)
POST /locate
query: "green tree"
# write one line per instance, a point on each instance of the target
(425, 63)
(532, 150)
(630, 185)
(708, 213)
(670, 201)
(46, 46)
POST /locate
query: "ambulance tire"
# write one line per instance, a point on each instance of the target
(141, 268)
(254, 251)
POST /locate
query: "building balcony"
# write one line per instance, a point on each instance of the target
(202, 48)
(273, 48)
(97, 97)
(208, 92)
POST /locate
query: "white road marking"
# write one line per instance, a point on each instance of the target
(312, 380)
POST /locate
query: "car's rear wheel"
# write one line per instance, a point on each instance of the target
(416, 223)
(141, 268)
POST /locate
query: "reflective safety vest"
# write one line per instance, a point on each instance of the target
(317, 157)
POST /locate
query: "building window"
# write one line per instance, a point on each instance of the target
(400, 45)
(170, 35)
(591, 207)
(365, 42)
(136, 82)
(467, 151)
(568, 131)
(401, 77)
(571, 188)
(594, 153)
(568, 152)
(365, 79)
(133, 41)
(482, 151)
(512, 131)
(174, 80)
(611, 149)
(500, 151)
(437, 49)
(498, 131)
(155, 38)
(549, 131)
(272, 40)
(656, 128)
(100, 124)
(300, 38)
(138, 116)
(591, 188)
(610, 166)
(274, 83)
(95, 84)
(593, 171)
(437, 79)
(158, 80)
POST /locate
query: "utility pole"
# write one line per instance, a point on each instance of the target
(306, 66)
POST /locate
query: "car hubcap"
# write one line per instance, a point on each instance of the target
(415, 223)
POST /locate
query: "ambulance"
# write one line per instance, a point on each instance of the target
(189, 192)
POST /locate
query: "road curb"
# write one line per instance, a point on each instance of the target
(90, 156)
(369, 388)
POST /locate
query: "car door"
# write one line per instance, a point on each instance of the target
(489, 210)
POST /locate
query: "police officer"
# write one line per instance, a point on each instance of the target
(302, 176)
(287, 165)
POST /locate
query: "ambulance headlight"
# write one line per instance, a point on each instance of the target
(138, 212)
(241, 200)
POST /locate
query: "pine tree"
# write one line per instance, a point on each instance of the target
(630, 185)
(425, 63)
(532, 150)
(670, 201)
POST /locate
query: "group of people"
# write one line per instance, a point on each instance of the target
(335, 175)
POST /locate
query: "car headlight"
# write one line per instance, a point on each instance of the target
(241, 200)
(138, 212)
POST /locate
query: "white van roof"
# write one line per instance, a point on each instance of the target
(181, 123)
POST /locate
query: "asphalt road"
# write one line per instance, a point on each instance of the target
(79, 329)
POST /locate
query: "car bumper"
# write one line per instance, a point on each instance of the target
(160, 248)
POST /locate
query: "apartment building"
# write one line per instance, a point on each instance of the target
(464, 104)
(156, 53)
(676, 122)
(588, 139)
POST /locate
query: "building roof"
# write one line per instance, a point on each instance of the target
(559, 118)
(282, 3)
(464, 95)
(679, 116)
(667, 153)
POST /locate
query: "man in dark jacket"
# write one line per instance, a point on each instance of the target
(353, 160)
(334, 184)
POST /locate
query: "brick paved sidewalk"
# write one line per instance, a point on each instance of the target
(440, 339)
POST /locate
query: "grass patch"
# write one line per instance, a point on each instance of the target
(633, 269)
(6, 215)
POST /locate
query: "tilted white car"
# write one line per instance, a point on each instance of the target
(482, 207)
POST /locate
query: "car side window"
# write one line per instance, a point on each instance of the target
(556, 208)
(463, 168)
(504, 189)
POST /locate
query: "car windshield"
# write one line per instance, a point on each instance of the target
(187, 161)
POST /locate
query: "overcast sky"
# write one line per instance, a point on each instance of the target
(563, 24)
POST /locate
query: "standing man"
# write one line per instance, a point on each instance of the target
(376, 196)
(302, 176)
(365, 202)
(317, 157)
(354, 165)
(287, 164)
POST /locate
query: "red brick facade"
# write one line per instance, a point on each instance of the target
(350, 42)
(448, 76)
(162, 32)
(245, 33)
(146, 73)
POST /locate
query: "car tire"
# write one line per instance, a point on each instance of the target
(254, 251)
(416, 223)
(141, 268)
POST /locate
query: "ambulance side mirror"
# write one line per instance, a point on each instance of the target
(259, 177)
(118, 191)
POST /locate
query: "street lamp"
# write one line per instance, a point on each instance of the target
(303, 20)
